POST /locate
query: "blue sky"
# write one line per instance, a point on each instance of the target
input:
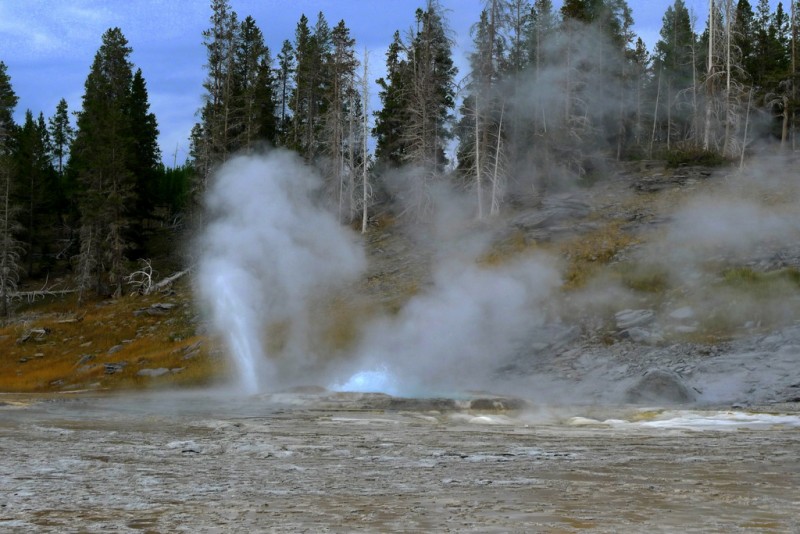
(48, 45)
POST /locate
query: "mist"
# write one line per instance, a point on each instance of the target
(266, 253)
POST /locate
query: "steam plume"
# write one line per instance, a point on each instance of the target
(265, 253)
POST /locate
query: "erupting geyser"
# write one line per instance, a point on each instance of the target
(266, 251)
(269, 254)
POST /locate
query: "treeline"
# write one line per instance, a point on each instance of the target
(551, 96)
(84, 199)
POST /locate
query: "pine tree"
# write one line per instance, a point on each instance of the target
(418, 95)
(34, 187)
(390, 149)
(254, 103)
(481, 130)
(674, 66)
(144, 158)
(308, 96)
(101, 158)
(432, 90)
(10, 248)
(283, 85)
(340, 136)
(744, 40)
(8, 101)
(541, 24)
(61, 136)
(211, 138)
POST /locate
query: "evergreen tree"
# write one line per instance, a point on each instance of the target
(283, 85)
(254, 99)
(540, 25)
(431, 90)
(61, 136)
(100, 158)
(211, 138)
(10, 248)
(612, 16)
(674, 67)
(341, 122)
(8, 101)
(744, 40)
(144, 158)
(390, 120)
(481, 150)
(35, 188)
(308, 96)
(518, 17)
(418, 96)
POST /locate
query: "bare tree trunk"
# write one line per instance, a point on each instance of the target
(6, 281)
(728, 111)
(695, 109)
(495, 206)
(365, 154)
(478, 173)
(794, 69)
(709, 75)
(746, 124)
(785, 122)
(655, 116)
(669, 114)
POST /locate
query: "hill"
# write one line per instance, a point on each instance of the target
(677, 283)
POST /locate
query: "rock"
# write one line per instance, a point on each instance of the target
(628, 318)
(681, 314)
(115, 348)
(35, 334)
(641, 335)
(159, 308)
(684, 329)
(497, 404)
(660, 385)
(83, 359)
(112, 368)
(152, 373)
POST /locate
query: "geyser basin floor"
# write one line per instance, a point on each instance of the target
(335, 463)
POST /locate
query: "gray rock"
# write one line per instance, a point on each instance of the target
(84, 358)
(115, 348)
(112, 368)
(660, 385)
(153, 372)
(641, 335)
(682, 314)
(628, 318)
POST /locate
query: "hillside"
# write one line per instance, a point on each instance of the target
(678, 275)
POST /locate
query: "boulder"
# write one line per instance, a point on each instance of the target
(629, 318)
(153, 372)
(659, 385)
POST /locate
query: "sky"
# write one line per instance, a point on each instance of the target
(48, 45)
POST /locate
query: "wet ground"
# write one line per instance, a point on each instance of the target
(321, 462)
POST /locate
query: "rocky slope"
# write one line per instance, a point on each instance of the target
(677, 286)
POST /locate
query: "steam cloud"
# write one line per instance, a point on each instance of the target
(266, 252)
(452, 338)
(269, 253)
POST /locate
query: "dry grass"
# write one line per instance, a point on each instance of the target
(76, 345)
(512, 247)
(588, 253)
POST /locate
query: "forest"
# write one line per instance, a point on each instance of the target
(553, 99)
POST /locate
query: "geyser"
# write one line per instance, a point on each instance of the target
(266, 250)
